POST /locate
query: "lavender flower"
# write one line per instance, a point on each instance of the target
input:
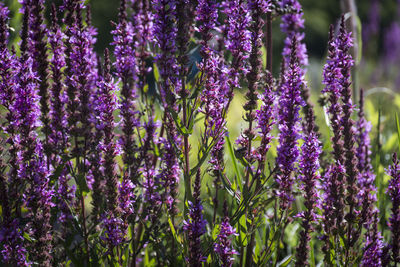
(32, 168)
(126, 70)
(58, 121)
(4, 12)
(366, 177)
(237, 39)
(256, 8)
(38, 34)
(223, 245)
(13, 252)
(112, 233)
(309, 165)
(169, 175)
(394, 192)
(195, 226)
(165, 33)
(334, 189)
(292, 24)
(143, 23)
(214, 101)
(105, 106)
(373, 245)
(265, 119)
(332, 205)
(289, 127)
(344, 61)
(207, 15)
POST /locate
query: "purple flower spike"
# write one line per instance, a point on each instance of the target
(309, 165)
(373, 245)
(394, 192)
(223, 245)
(238, 38)
(207, 15)
(195, 226)
(366, 179)
(289, 127)
(165, 33)
(265, 118)
(13, 253)
(4, 12)
(292, 24)
(104, 107)
(126, 67)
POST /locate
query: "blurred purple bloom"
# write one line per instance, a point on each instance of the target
(371, 28)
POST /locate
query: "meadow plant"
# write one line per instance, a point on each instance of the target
(125, 159)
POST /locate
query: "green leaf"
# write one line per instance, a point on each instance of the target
(235, 165)
(82, 183)
(243, 229)
(285, 262)
(156, 73)
(180, 126)
(398, 128)
(172, 227)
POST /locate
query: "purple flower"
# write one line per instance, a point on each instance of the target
(308, 166)
(238, 38)
(165, 33)
(126, 197)
(289, 127)
(4, 12)
(332, 205)
(81, 74)
(292, 24)
(265, 119)
(169, 175)
(394, 192)
(8, 63)
(344, 63)
(214, 99)
(366, 177)
(58, 123)
(38, 51)
(223, 245)
(373, 245)
(195, 226)
(143, 24)
(13, 252)
(126, 70)
(105, 104)
(112, 230)
(207, 15)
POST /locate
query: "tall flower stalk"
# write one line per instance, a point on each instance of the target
(289, 127)
(394, 193)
